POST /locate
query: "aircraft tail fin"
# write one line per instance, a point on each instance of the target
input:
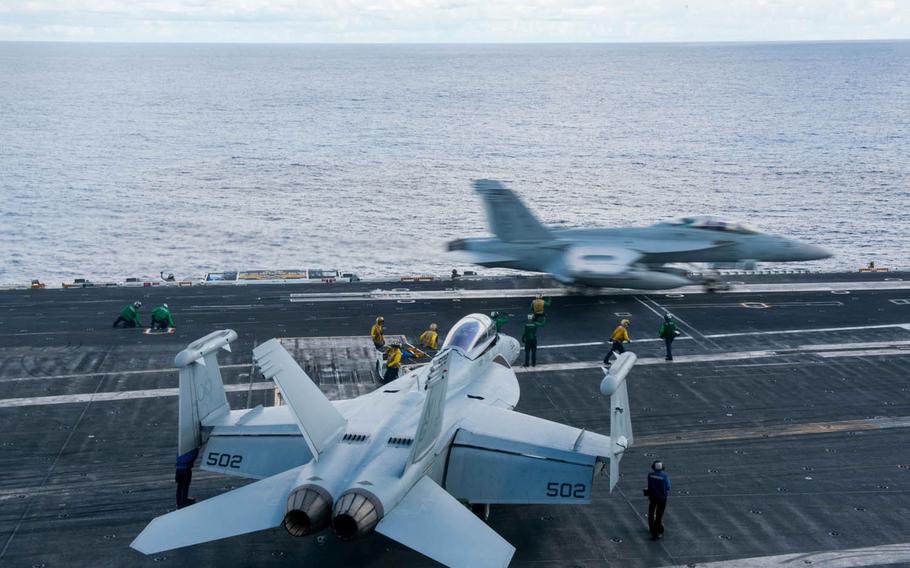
(509, 219)
(202, 398)
(319, 421)
(614, 385)
(430, 425)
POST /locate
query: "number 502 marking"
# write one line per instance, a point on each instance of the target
(224, 460)
(556, 489)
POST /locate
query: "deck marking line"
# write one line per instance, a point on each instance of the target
(846, 558)
(905, 326)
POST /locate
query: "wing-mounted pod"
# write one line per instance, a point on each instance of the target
(614, 386)
(202, 398)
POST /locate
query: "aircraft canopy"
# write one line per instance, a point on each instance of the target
(471, 334)
(714, 224)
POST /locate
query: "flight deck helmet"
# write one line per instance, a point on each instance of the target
(137, 304)
(668, 317)
(380, 319)
(657, 465)
(624, 322)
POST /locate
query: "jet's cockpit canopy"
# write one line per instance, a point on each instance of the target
(472, 334)
(710, 223)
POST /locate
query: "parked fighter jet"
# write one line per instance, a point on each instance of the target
(632, 257)
(403, 460)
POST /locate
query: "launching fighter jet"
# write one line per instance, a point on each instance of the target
(404, 460)
(632, 257)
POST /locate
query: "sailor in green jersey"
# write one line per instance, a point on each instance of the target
(162, 318)
(129, 316)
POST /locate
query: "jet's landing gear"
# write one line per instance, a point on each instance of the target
(482, 510)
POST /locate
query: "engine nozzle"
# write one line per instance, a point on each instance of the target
(356, 514)
(308, 510)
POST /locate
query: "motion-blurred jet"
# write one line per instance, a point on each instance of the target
(403, 460)
(632, 257)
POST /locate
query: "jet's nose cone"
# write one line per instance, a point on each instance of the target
(814, 252)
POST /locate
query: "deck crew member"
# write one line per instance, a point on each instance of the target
(620, 336)
(658, 490)
(529, 339)
(500, 319)
(377, 334)
(668, 332)
(430, 337)
(129, 316)
(538, 305)
(393, 363)
(183, 474)
(162, 318)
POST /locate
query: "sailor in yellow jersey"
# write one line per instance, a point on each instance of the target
(620, 336)
(393, 363)
(538, 305)
(430, 337)
(377, 334)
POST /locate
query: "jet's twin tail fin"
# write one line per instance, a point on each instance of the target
(319, 421)
(509, 219)
(615, 386)
(202, 399)
(430, 425)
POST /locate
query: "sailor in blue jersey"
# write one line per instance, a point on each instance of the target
(183, 475)
(658, 491)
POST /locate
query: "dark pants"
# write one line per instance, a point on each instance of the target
(656, 507)
(616, 347)
(391, 373)
(158, 324)
(124, 321)
(183, 478)
(669, 342)
(531, 352)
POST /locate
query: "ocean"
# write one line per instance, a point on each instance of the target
(123, 160)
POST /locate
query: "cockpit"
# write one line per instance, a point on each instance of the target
(714, 224)
(472, 334)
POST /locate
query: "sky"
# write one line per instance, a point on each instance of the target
(418, 21)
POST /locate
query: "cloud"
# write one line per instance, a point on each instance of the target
(453, 20)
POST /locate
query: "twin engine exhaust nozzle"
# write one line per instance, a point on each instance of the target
(309, 510)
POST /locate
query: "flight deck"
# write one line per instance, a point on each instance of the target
(782, 421)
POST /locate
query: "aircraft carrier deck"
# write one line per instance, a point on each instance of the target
(783, 421)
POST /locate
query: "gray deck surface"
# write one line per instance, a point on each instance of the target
(776, 443)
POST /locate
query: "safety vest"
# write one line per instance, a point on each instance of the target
(429, 338)
(377, 335)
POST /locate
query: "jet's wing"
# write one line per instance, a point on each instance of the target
(433, 523)
(254, 507)
(509, 219)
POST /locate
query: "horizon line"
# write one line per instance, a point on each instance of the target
(540, 42)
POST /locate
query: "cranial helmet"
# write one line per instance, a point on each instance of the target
(668, 317)
(137, 304)
(380, 319)
(625, 322)
(165, 305)
(657, 465)
(432, 327)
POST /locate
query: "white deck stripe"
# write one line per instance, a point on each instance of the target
(103, 373)
(458, 293)
(848, 558)
(121, 395)
(814, 330)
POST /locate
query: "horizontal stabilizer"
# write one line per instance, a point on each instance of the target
(319, 421)
(435, 524)
(509, 219)
(254, 507)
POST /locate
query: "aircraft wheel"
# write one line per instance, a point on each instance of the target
(482, 510)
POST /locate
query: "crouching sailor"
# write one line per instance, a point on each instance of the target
(162, 318)
(129, 316)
